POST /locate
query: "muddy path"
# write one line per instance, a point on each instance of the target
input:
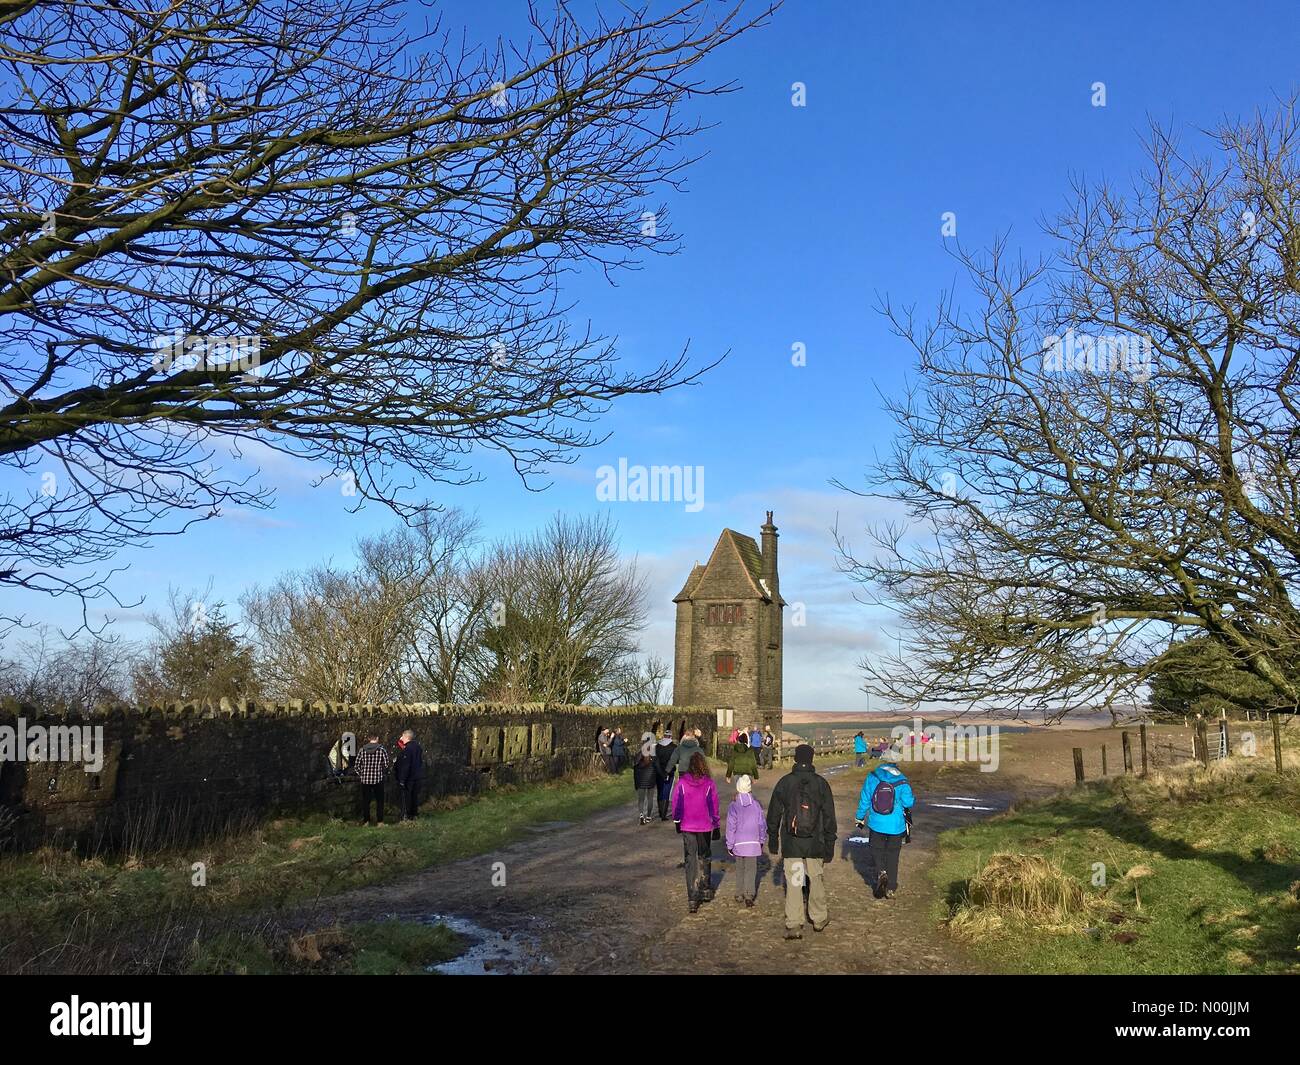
(607, 896)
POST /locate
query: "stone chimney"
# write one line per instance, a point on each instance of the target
(769, 556)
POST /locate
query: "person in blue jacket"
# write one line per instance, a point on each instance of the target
(860, 749)
(885, 804)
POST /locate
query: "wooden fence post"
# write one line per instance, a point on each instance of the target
(1142, 735)
(1103, 759)
(1078, 765)
(1204, 743)
(1277, 740)
(1128, 752)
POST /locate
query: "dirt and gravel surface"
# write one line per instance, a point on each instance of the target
(607, 896)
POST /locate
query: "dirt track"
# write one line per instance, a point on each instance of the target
(606, 896)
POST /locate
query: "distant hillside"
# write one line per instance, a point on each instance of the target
(862, 719)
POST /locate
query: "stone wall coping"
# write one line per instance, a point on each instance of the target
(190, 710)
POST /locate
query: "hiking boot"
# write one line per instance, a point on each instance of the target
(740, 898)
(821, 927)
(794, 933)
(694, 907)
(879, 889)
(749, 904)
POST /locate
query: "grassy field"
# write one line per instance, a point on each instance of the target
(1201, 875)
(59, 911)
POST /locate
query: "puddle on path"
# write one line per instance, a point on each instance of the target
(490, 953)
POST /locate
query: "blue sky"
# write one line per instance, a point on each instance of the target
(793, 225)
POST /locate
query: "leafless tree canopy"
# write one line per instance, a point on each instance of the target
(300, 224)
(431, 614)
(568, 615)
(53, 673)
(1075, 505)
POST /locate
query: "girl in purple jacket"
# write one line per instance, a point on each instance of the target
(695, 811)
(746, 830)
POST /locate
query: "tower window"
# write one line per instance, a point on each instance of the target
(724, 664)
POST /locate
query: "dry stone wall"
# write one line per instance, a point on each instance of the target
(185, 769)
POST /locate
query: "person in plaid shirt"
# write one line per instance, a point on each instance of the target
(372, 763)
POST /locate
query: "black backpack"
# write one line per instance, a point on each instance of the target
(806, 813)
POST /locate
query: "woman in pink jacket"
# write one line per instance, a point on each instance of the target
(746, 830)
(695, 812)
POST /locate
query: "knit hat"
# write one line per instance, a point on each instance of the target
(803, 755)
(744, 784)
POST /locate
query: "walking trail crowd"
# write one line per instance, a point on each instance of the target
(673, 780)
(799, 823)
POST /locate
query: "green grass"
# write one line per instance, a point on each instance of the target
(377, 948)
(400, 948)
(1218, 894)
(279, 865)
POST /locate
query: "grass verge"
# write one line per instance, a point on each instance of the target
(1187, 871)
(58, 911)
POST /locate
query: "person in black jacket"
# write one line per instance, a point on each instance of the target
(646, 776)
(801, 825)
(664, 754)
(409, 770)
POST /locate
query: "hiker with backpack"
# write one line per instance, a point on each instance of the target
(801, 826)
(859, 750)
(695, 812)
(886, 803)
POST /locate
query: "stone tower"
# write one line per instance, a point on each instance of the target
(729, 636)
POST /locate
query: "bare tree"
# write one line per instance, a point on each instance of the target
(1101, 453)
(299, 226)
(566, 614)
(450, 602)
(640, 682)
(53, 673)
(331, 633)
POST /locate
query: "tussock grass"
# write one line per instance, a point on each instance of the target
(1024, 888)
(1190, 870)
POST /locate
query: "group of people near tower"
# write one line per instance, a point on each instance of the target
(799, 823)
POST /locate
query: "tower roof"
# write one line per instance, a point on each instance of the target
(751, 559)
(688, 589)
